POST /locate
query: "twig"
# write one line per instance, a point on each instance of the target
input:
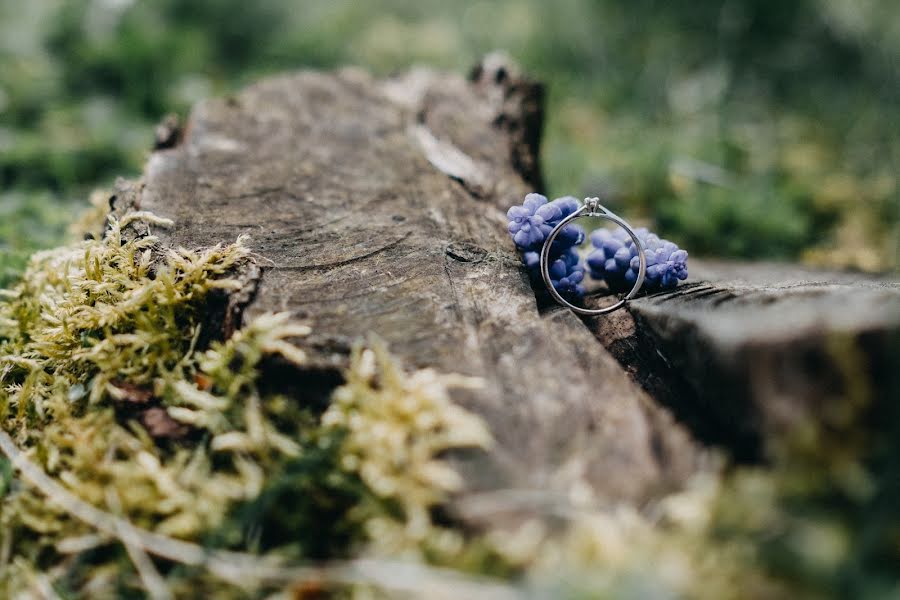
(153, 582)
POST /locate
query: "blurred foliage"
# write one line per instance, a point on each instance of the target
(753, 128)
(824, 516)
(28, 221)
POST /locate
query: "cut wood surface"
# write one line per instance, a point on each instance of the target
(377, 207)
(747, 352)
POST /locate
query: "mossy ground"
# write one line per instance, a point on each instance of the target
(147, 465)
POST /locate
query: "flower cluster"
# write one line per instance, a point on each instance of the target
(615, 258)
(529, 226)
(616, 261)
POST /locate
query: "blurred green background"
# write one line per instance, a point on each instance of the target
(758, 129)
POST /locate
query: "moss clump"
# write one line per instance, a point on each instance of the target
(99, 333)
(93, 334)
(396, 428)
(371, 473)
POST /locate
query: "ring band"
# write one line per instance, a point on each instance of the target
(592, 208)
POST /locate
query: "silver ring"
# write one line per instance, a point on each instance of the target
(592, 208)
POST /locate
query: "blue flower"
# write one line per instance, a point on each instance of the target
(531, 223)
(566, 272)
(568, 237)
(567, 204)
(527, 228)
(666, 263)
(616, 261)
(615, 258)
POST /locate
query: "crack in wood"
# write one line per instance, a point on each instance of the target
(346, 261)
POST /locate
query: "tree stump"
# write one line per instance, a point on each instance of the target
(376, 207)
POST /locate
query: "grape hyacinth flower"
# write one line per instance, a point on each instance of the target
(616, 262)
(529, 226)
(566, 272)
(531, 223)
